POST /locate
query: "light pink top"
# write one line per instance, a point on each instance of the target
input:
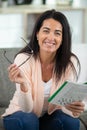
(33, 100)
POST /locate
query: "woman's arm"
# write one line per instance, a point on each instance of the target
(22, 99)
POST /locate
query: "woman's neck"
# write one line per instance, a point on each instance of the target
(47, 65)
(47, 58)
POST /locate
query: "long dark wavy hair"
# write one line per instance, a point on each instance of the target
(63, 55)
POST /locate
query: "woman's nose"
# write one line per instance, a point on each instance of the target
(51, 36)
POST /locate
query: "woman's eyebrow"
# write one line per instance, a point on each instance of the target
(46, 28)
(57, 30)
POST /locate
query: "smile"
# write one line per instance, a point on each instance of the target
(49, 43)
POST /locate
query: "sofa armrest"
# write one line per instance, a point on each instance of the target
(83, 119)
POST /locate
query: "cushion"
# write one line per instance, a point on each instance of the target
(7, 88)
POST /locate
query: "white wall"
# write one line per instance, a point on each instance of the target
(11, 29)
(80, 2)
(81, 51)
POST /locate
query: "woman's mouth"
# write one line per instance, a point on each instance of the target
(50, 43)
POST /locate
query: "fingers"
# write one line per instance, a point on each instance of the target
(76, 107)
(12, 67)
(13, 72)
(78, 103)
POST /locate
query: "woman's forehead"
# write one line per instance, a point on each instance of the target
(51, 23)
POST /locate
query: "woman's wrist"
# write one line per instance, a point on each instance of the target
(24, 87)
(76, 114)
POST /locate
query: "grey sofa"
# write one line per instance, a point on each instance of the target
(7, 88)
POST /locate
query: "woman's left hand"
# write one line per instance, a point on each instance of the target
(76, 107)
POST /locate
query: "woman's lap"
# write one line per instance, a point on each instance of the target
(21, 121)
(29, 121)
(59, 121)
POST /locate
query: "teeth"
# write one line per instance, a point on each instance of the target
(49, 43)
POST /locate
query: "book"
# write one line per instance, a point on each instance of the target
(68, 93)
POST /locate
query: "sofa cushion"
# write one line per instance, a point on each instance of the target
(7, 88)
(83, 119)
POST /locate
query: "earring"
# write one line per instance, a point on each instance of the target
(37, 38)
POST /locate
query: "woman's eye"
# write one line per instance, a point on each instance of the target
(57, 33)
(46, 31)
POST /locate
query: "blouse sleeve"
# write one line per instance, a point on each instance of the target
(25, 100)
(22, 101)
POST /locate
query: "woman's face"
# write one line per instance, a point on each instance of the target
(50, 35)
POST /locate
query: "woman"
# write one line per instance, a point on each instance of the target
(38, 71)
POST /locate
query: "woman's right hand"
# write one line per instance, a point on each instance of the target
(15, 74)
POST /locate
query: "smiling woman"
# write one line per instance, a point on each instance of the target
(50, 36)
(51, 64)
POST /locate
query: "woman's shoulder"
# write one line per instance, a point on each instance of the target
(28, 59)
(74, 59)
(23, 57)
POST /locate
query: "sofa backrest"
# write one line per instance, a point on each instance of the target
(7, 88)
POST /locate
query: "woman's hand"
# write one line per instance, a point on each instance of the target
(15, 74)
(76, 107)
